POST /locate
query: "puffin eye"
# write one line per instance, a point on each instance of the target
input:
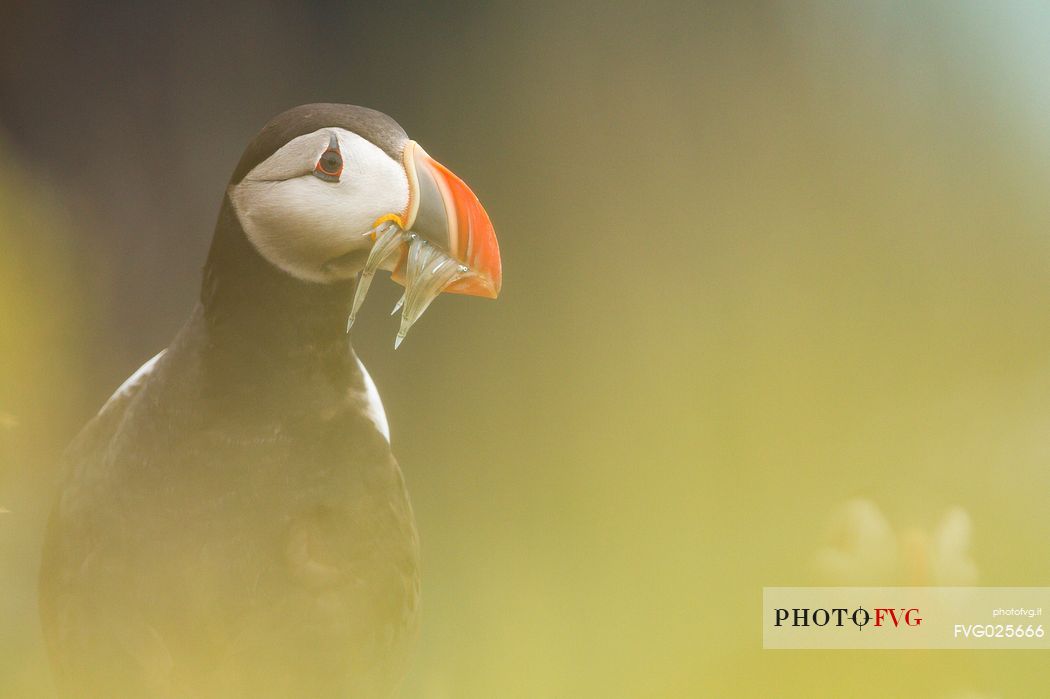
(330, 166)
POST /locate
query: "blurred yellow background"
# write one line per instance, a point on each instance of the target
(760, 259)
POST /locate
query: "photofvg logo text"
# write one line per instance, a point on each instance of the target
(840, 616)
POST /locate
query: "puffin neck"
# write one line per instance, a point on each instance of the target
(247, 301)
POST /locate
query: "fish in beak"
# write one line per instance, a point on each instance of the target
(444, 241)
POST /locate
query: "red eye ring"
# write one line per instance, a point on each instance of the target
(329, 165)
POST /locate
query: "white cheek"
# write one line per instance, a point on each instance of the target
(293, 225)
(372, 183)
(305, 209)
(300, 224)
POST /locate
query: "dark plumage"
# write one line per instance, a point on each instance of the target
(234, 524)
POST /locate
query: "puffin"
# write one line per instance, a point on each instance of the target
(232, 522)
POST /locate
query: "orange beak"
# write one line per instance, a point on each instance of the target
(444, 211)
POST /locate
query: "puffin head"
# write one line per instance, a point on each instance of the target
(326, 192)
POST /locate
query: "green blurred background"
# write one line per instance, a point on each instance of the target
(760, 258)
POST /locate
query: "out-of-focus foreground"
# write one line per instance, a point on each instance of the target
(761, 260)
